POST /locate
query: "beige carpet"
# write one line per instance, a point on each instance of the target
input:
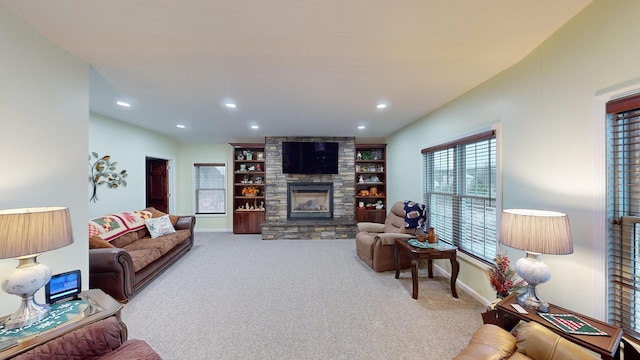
(239, 297)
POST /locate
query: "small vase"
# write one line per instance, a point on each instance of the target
(431, 237)
(501, 295)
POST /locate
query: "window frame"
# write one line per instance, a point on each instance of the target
(623, 213)
(197, 189)
(455, 235)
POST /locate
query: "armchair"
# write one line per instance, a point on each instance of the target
(374, 241)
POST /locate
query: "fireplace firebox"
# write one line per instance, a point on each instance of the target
(309, 201)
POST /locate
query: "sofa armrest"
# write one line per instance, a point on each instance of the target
(487, 343)
(186, 222)
(88, 342)
(370, 227)
(111, 269)
(389, 238)
(538, 342)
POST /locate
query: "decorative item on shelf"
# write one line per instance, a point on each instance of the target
(250, 191)
(258, 180)
(367, 155)
(243, 167)
(373, 179)
(431, 236)
(258, 167)
(103, 171)
(240, 156)
(260, 155)
(248, 155)
(536, 232)
(361, 205)
(373, 191)
(502, 278)
(376, 154)
(360, 179)
(24, 234)
(363, 192)
(379, 205)
(359, 156)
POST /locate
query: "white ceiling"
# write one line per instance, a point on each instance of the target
(294, 67)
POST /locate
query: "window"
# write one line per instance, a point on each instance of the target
(211, 189)
(460, 193)
(623, 214)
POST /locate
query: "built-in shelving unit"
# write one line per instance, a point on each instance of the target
(371, 180)
(249, 183)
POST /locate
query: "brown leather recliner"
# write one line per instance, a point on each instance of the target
(374, 241)
(533, 341)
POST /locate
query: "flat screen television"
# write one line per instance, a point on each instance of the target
(309, 157)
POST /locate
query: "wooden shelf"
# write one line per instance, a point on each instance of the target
(370, 161)
(248, 220)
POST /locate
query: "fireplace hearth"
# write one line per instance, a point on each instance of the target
(309, 201)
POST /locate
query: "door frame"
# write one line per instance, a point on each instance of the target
(170, 177)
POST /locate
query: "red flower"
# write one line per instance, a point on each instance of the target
(502, 278)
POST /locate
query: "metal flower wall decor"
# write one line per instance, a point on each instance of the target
(103, 171)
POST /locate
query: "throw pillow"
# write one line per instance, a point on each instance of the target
(159, 226)
(155, 213)
(96, 242)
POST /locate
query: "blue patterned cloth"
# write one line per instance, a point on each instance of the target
(59, 314)
(414, 215)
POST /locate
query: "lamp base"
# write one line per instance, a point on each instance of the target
(530, 299)
(534, 272)
(25, 280)
(29, 313)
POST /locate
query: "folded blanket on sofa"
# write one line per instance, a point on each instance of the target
(414, 215)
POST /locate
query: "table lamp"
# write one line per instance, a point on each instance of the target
(536, 232)
(24, 234)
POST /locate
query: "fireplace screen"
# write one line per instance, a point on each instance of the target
(310, 201)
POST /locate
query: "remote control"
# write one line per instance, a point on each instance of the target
(519, 309)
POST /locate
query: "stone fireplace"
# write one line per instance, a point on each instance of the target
(310, 221)
(310, 201)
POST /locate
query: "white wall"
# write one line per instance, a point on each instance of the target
(128, 145)
(545, 107)
(204, 153)
(43, 111)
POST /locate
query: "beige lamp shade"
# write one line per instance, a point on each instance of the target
(34, 230)
(537, 231)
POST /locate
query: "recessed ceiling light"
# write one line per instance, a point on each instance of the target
(362, 127)
(230, 105)
(255, 127)
(122, 103)
(381, 106)
(180, 126)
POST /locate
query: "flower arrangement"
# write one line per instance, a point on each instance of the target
(502, 278)
(250, 191)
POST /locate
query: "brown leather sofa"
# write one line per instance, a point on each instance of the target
(533, 341)
(127, 263)
(374, 241)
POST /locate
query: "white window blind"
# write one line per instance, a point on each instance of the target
(623, 211)
(210, 184)
(460, 193)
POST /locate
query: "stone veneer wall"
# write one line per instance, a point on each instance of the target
(343, 224)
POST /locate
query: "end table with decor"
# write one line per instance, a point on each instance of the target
(605, 342)
(92, 306)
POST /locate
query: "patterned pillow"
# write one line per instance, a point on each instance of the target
(159, 226)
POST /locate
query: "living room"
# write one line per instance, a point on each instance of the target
(551, 143)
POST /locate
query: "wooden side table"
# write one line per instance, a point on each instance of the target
(101, 306)
(439, 250)
(607, 346)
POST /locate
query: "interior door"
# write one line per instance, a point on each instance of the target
(158, 184)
